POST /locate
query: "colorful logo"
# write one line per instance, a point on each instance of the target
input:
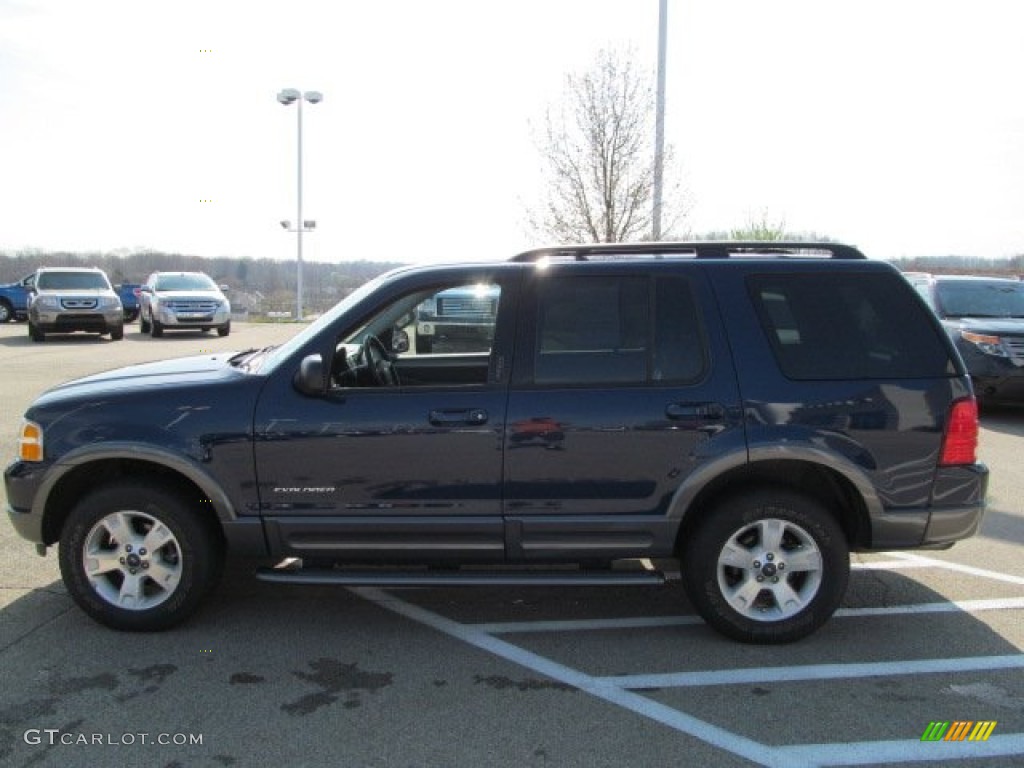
(959, 730)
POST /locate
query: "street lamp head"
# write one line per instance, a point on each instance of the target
(288, 95)
(309, 224)
(314, 97)
(285, 224)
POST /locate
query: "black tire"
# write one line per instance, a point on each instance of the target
(225, 329)
(156, 330)
(35, 333)
(116, 334)
(6, 312)
(143, 324)
(751, 535)
(190, 556)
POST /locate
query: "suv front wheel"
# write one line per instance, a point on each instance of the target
(136, 557)
(766, 566)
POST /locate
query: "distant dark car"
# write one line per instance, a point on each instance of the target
(14, 299)
(985, 318)
(129, 295)
(755, 411)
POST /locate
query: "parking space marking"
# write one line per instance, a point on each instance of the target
(908, 750)
(626, 691)
(654, 622)
(699, 729)
(888, 565)
(816, 672)
(960, 568)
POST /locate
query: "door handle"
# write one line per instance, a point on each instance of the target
(442, 417)
(704, 412)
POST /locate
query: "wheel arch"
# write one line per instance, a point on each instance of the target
(851, 500)
(87, 471)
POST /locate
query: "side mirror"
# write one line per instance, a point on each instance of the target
(224, 287)
(311, 378)
(144, 289)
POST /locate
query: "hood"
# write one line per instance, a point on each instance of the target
(198, 369)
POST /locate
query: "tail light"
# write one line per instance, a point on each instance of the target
(960, 442)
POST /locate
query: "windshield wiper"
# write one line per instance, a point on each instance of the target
(247, 358)
(236, 358)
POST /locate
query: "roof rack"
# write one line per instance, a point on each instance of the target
(694, 250)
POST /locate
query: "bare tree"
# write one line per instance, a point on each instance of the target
(762, 228)
(598, 158)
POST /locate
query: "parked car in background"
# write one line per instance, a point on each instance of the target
(129, 295)
(985, 318)
(458, 320)
(182, 301)
(14, 299)
(68, 299)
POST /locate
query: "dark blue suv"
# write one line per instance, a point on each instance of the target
(755, 410)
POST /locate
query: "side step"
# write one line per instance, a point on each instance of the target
(447, 578)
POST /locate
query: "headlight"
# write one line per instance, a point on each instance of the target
(45, 302)
(990, 345)
(110, 301)
(30, 441)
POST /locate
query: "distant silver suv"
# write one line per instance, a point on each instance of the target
(68, 299)
(182, 300)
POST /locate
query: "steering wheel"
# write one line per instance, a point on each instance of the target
(378, 362)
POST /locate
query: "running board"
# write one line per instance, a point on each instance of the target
(399, 578)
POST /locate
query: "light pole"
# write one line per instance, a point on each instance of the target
(659, 122)
(286, 97)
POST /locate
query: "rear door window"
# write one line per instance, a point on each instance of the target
(594, 330)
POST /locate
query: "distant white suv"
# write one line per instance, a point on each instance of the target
(67, 299)
(182, 300)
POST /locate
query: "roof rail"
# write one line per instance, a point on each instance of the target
(698, 250)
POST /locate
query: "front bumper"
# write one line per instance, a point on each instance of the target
(68, 322)
(22, 481)
(172, 319)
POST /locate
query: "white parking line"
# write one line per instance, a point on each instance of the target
(761, 754)
(986, 574)
(889, 565)
(816, 672)
(652, 622)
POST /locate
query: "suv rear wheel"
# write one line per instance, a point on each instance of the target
(766, 566)
(135, 557)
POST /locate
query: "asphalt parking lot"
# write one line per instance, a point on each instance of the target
(271, 674)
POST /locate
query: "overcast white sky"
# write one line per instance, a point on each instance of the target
(896, 125)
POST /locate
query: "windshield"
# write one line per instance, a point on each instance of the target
(198, 282)
(283, 352)
(49, 281)
(980, 298)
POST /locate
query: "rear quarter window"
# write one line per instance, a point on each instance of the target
(848, 326)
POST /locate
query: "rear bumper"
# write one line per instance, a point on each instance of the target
(956, 512)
